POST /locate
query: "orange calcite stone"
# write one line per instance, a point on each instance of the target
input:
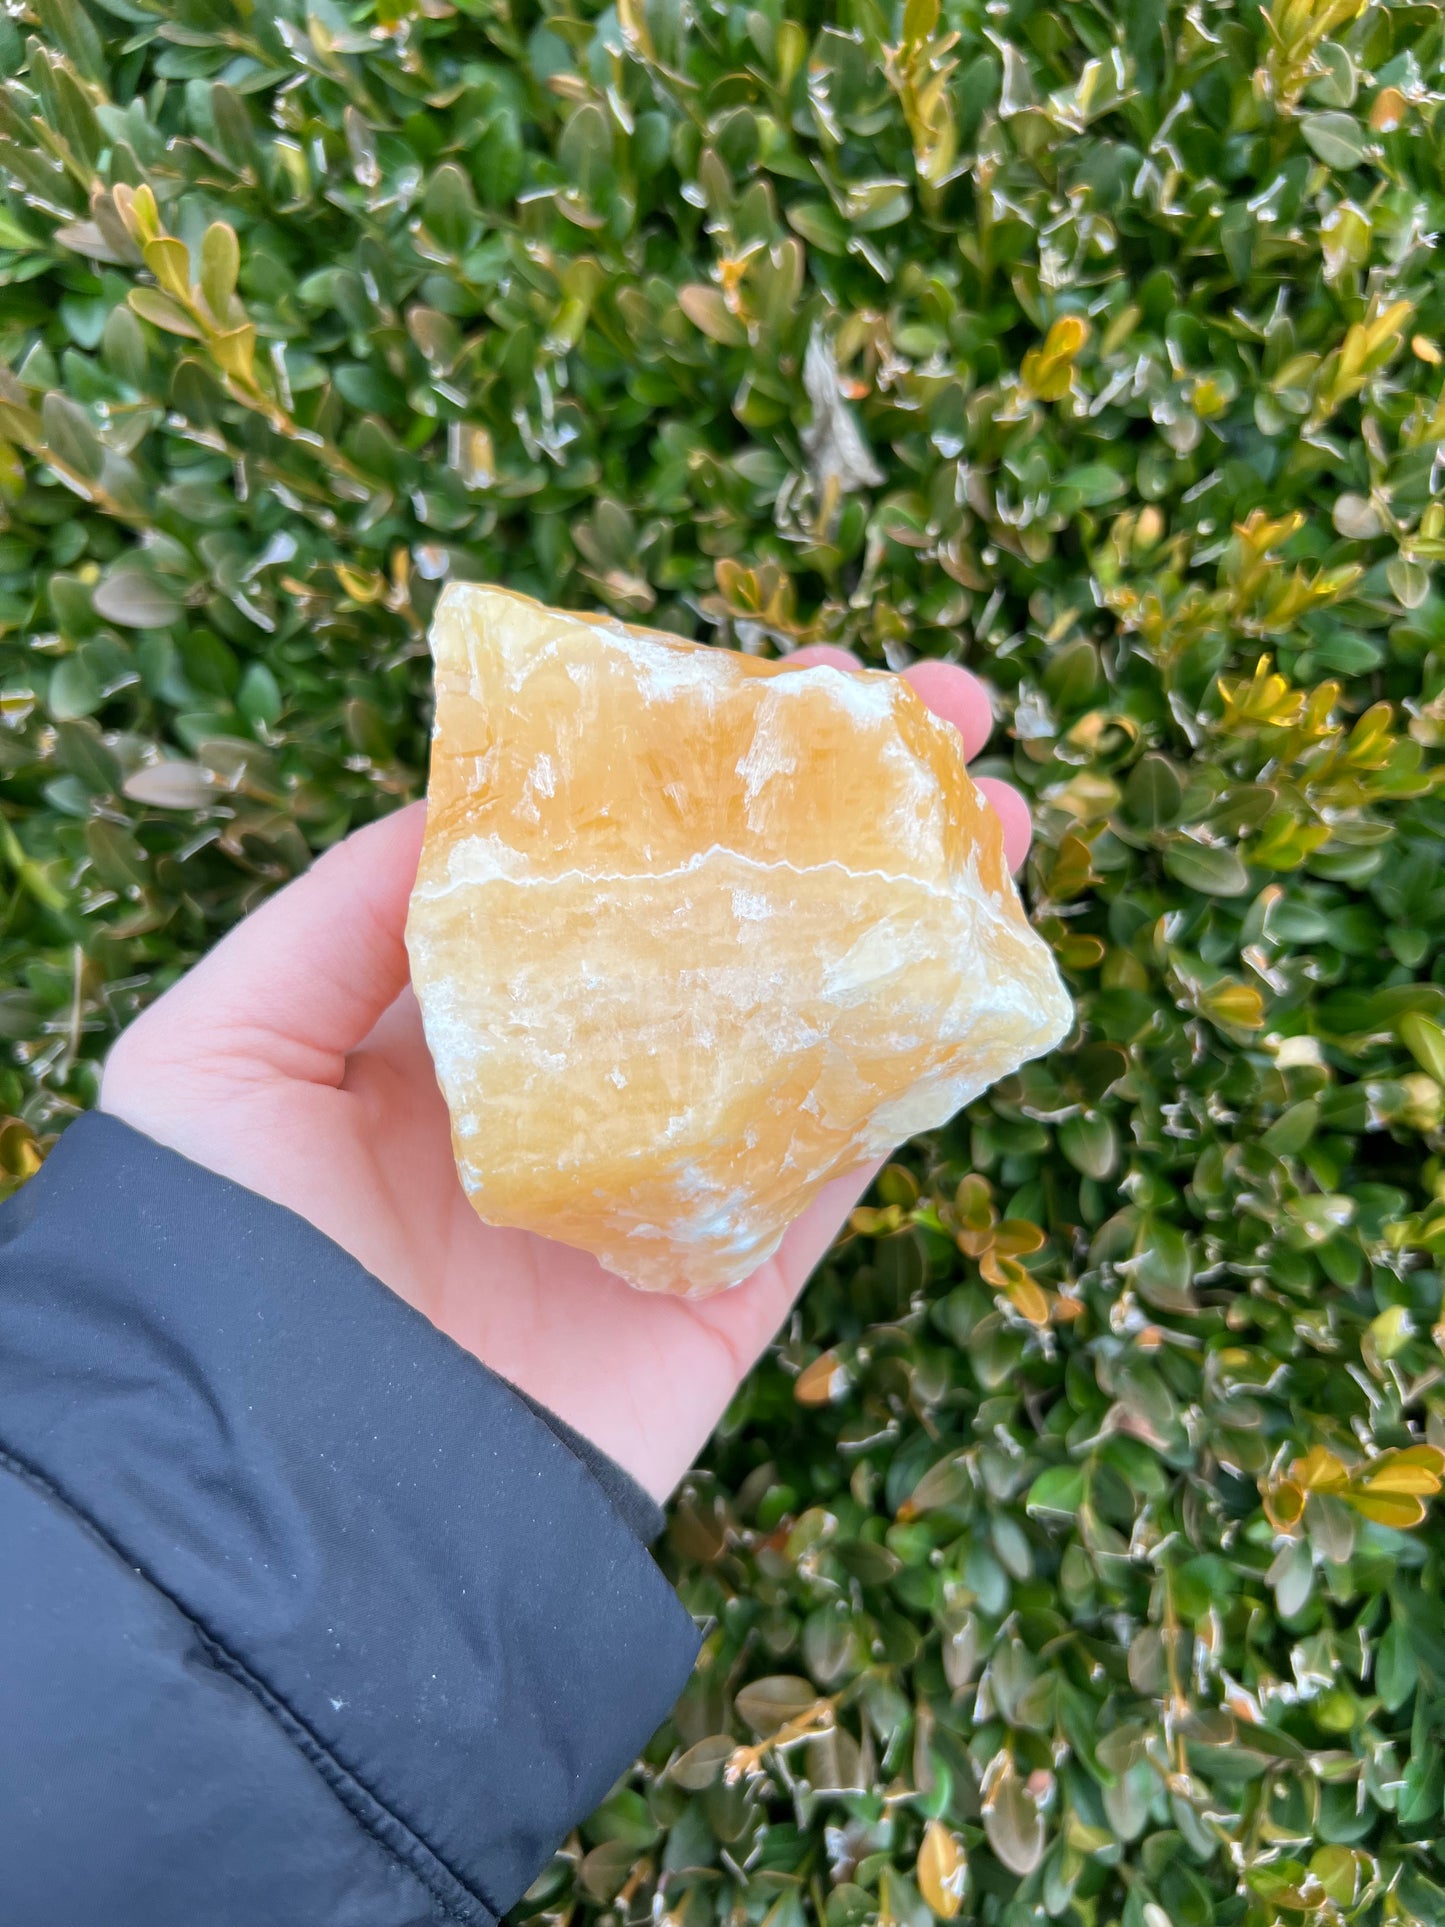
(694, 933)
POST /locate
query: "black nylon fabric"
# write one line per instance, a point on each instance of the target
(140, 1785)
(427, 1593)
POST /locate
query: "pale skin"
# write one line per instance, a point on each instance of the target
(291, 1059)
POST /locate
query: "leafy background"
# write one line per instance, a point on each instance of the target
(1074, 1554)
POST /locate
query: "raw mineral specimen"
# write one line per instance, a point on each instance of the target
(694, 932)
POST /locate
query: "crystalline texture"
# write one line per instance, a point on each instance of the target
(693, 933)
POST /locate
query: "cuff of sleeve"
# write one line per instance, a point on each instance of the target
(441, 1598)
(641, 1511)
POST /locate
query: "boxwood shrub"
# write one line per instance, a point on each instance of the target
(1076, 1554)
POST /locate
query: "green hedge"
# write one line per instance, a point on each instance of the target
(1075, 1554)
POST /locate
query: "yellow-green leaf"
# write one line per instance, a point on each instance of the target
(220, 264)
(942, 1870)
(169, 260)
(1425, 1041)
(706, 309)
(162, 312)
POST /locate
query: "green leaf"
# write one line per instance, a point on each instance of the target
(133, 597)
(75, 118)
(703, 1763)
(234, 134)
(1162, 1268)
(873, 205)
(1396, 1670)
(1013, 1824)
(767, 1704)
(498, 161)
(1419, 1798)
(70, 28)
(1337, 82)
(1293, 1129)
(605, 1868)
(117, 856)
(1210, 869)
(123, 346)
(170, 785)
(74, 690)
(1057, 1493)
(1425, 1041)
(70, 435)
(624, 1816)
(943, 1484)
(1095, 484)
(1090, 1144)
(920, 18)
(1153, 793)
(584, 151)
(1337, 139)
(820, 225)
(449, 209)
(13, 235)
(220, 263)
(1409, 582)
(706, 309)
(259, 696)
(163, 312)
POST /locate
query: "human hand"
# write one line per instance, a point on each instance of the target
(291, 1059)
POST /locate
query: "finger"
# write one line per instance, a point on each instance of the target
(958, 697)
(821, 655)
(1013, 812)
(304, 978)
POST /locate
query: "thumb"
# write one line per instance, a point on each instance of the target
(301, 981)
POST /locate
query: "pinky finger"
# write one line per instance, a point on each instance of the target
(1013, 812)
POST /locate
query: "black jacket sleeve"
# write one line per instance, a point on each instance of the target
(306, 1618)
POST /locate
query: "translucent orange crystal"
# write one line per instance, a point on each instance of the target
(694, 932)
